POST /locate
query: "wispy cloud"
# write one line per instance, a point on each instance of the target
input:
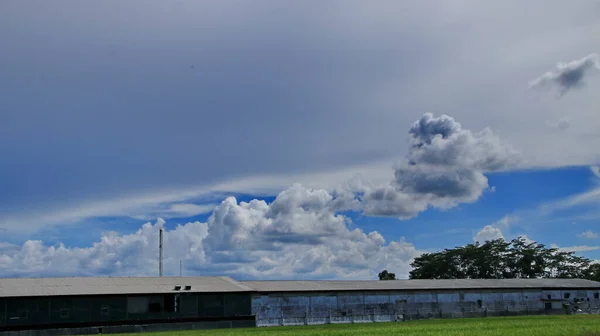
(576, 249)
(585, 198)
(588, 235)
(596, 170)
(176, 203)
(568, 76)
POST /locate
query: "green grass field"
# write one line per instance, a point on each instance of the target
(588, 325)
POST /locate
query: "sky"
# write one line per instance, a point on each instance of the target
(292, 140)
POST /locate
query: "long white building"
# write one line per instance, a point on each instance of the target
(92, 305)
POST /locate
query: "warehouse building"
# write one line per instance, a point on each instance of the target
(107, 305)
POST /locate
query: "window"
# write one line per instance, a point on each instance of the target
(188, 287)
(177, 287)
(479, 303)
(567, 295)
(549, 297)
(596, 295)
(64, 313)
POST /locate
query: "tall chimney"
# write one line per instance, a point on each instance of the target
(160, 252)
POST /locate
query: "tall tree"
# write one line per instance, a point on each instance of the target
(385, 275)
(498, 259)
(593, 272)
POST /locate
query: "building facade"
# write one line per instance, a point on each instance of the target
(105, 305)
(322, 302)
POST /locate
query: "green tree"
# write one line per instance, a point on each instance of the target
(385, 275)
(593, 272)
(498, 259)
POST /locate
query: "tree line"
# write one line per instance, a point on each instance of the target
(500, 259)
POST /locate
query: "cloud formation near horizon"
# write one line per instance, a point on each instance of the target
(304, 231)
(568, 76)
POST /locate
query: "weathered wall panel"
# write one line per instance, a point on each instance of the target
(357, 307)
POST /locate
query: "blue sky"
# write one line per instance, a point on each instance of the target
(353, 136)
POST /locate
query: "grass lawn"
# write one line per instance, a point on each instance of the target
(504, 326)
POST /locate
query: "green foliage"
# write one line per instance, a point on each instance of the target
(594, 273)
(499, 259)
(385, 275)
(566, 325)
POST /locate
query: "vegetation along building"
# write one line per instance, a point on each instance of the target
(105, 305)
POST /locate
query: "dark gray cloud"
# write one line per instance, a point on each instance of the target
(445, 166)
(571, 75)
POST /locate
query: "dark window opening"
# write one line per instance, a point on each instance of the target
(596, 295)
(171, 303)
(548, 305)
(549, 297)
(154, 307)
(479, 303)
(177, 287)
(567, 295)
(64, 313)
(188, 287)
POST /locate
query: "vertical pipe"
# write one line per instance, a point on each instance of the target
(160, 252)
(180, 268)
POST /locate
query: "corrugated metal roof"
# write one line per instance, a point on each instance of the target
(332, 285)
(19, 287)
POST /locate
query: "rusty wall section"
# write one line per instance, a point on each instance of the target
(277, 309)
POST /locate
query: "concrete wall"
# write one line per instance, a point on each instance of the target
(361, 307)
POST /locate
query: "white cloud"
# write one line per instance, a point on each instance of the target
(298, 234)
(569, 75)
(595, 170)
(488, 232)
(114, 254)
(497, 230)
(445, 166)
(585, 198)
(588, 235)
(576, 249)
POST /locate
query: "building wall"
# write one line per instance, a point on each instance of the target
(100, 309)
(276, 309)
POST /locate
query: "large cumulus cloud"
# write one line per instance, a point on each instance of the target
(299, 234)
(445, 166)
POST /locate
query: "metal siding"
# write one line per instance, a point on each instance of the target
(410, 285)
(189, 305)
(211, 305)
(237, 305)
